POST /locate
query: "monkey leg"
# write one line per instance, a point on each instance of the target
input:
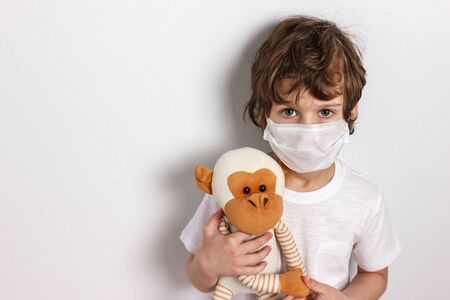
(222, 293)
(268, 296)
(262, 283)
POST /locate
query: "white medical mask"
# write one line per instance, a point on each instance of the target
(306, 148)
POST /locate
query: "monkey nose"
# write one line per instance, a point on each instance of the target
(263, 199)
(258, 201)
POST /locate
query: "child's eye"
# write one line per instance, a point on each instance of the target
(326, 113)
(289, 112)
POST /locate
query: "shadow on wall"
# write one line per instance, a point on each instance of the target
(186, 195)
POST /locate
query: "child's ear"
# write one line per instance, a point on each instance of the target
(203, 177)
(354, 112)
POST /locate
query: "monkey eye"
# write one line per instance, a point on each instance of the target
(246, 190)
(262, 188)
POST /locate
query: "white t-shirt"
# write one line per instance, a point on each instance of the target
(347, 215)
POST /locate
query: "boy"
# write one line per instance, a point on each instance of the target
(307, 79)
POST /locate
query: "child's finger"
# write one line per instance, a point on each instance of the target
(316, 286)
(252, 270)
(211, 227)
(238, 237)
(253, 245)
(254, 258)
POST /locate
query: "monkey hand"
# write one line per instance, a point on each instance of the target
(292, 284)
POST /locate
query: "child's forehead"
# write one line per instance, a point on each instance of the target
(284, 86)
(287, 90)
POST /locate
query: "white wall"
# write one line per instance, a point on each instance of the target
(105, 106)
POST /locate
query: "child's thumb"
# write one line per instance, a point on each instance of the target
(211, 227)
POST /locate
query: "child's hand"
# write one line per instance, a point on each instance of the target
(231, 255)
(322, 291)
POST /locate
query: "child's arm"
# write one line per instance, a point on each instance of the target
(225, 255)
(367, 285)
(204, 282)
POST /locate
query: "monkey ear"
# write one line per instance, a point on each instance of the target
(203, 177)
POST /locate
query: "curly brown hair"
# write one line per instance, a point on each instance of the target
(316, 55)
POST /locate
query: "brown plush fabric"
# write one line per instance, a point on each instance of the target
(254, 210)
(203, 177)
(292, 284)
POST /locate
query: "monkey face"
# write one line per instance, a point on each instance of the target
(255, 207)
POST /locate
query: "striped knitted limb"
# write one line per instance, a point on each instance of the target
(289, 248)
(262, 283)
(224, 227)
(267, 296)
(222, 293)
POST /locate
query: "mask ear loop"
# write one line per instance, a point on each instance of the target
(347, 136)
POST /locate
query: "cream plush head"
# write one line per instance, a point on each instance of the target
(248, 184)
(243, 159)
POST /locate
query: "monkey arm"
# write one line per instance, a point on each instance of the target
(262, 283)
(224, 227)
(274, 283)
(288, 247)
(288, 282)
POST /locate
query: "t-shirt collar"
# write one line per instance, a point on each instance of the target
(320, 194)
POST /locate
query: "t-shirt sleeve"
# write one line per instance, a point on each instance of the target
(378, 244)
(192, 234)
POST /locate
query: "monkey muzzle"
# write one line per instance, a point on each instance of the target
(258, 200)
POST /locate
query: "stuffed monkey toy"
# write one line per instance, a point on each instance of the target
(249, 185)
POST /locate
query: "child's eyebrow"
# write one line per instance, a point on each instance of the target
(323, 103)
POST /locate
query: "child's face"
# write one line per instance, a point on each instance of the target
(308, 110)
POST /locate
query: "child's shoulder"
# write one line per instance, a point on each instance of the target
(362, 186)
